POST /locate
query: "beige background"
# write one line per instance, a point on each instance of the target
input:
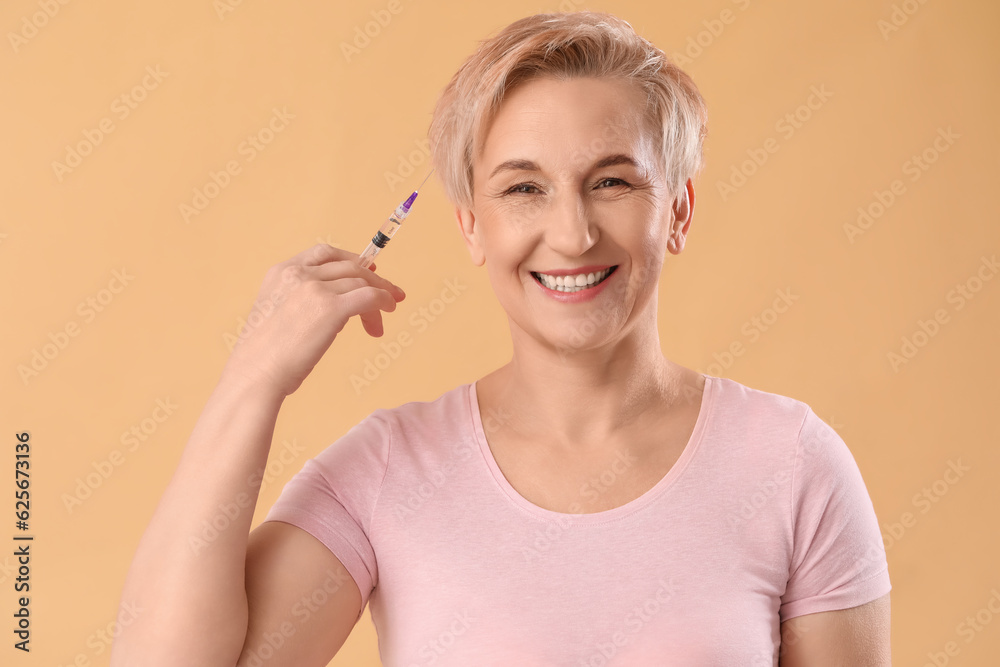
(357, 119)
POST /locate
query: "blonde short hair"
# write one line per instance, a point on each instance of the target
(565, 45)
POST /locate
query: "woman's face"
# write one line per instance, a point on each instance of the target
(568, 182)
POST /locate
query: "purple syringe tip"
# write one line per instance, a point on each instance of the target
(409, 201)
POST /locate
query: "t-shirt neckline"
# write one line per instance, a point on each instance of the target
(636, 504)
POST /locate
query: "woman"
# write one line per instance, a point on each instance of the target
(589, 503)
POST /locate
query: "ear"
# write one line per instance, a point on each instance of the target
(683, 210)
(466, 219)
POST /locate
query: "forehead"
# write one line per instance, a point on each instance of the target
(567, 124)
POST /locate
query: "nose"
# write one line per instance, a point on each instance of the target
(569, 229)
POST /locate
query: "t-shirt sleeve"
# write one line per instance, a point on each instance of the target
(333, 497)
(838, 558)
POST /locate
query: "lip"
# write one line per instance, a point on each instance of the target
(582, 295)
(593, 268)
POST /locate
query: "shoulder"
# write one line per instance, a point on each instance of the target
(817, 449)
(757, 411)
(386, 432)
(428, 418)
(417, 432)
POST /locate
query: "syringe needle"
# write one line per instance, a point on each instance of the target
(425, 180)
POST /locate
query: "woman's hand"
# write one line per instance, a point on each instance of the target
(303, 304)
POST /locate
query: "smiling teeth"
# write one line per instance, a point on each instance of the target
(573, 283)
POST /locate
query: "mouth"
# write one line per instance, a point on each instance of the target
(576, 283)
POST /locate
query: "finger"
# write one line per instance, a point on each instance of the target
(363, 299)
(345, 285)
(312, 255)
(368, 303)
(372, 322)
(343, 269)
(320, 254)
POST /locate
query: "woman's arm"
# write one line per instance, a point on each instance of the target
(303, 601)
(858, 636)
(187, 575)
(203, 598)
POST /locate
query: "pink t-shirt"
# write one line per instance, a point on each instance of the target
(764, 517)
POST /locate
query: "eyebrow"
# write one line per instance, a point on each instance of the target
(518, 164)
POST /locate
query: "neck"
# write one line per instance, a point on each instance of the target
(586, 398)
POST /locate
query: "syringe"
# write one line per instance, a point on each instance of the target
(390, 227)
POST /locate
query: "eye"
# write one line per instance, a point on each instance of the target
(615, 180)
(520, 187)
(515, 189)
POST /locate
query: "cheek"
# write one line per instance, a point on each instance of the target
(648, 270)
(507, 244)
(652, 237)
